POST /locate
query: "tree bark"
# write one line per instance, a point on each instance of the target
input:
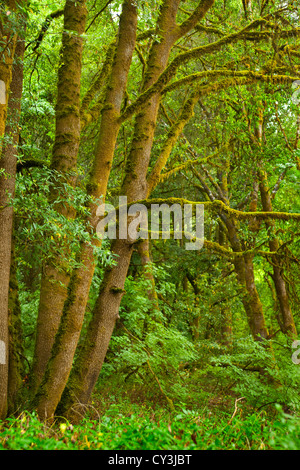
(8, 163)
(245, 275)
(55, 274)
(60, 364)
(16, 340)
(226, 327)
(6, 65)
(287, 318)
(90, 358)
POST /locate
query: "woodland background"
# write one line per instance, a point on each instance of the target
(145, 345)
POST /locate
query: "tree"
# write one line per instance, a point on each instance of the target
(11, 83)
(174, 83)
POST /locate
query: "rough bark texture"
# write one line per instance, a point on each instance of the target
(91, 357)
(10, 155)
(8, 162)
(55, 275)
(16, 340)
(92, 354)
(6, 64)
(60, 365)
(226, 327)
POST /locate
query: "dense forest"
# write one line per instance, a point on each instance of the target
(178, 331)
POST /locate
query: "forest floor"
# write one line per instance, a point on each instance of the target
(136, 418)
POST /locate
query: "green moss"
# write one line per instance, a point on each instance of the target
(117, 290)
(91, 187)
(65, 111)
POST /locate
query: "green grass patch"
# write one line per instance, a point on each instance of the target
(142, 429)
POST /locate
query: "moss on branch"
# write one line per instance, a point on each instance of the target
(220, 206)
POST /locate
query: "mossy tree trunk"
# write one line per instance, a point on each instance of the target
(226, 327)
(245, 275)
(16, 371)
(256, 138)
(10, 154)
(287, 319)
(135, 186)
(55, 272)
(8, 163)
(60, 364)
(9, 38)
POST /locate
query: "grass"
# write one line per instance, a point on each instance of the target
(132, 415)
(143, 429)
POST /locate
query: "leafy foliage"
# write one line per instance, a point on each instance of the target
(143, 430)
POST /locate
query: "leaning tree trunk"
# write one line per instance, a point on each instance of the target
(91, 356)
(60, 364)
(55, 274)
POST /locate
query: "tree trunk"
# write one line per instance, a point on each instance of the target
(245, 275)
(8, 163)
(226, 327)
(16, 340)
(6, 65)
(59, 367)
(195, 320)
(287, 318)
(91, 357)
(55, 275)
(88, 364)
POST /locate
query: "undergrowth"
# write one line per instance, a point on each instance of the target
(129, 426)
(216, 401)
